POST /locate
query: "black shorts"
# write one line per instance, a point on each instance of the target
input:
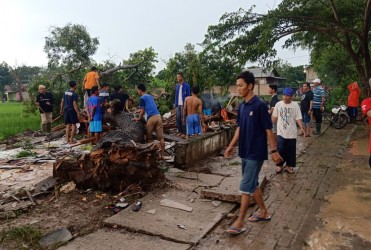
(70, 116)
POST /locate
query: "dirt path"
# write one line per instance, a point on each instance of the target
(322, 206)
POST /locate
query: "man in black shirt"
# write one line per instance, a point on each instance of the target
(44, 101)
(123, 97)
(274, 100)
(306, 112)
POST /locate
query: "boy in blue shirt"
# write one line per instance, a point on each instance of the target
(94, 113)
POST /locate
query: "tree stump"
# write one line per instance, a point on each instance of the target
(114, 164)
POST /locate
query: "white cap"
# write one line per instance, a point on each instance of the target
(317, 80)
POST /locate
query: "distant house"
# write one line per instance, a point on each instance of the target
(263, 78)
(12, 93)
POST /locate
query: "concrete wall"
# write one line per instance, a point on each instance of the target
(194, 150)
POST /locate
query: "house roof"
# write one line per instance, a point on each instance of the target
(261, 72)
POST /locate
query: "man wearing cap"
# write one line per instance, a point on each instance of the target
(44, 101)
(287, 113)
(366, 110)
(317, 105)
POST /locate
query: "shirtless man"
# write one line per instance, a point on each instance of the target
(192, 113)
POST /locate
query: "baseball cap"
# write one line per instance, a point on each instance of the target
(288, 91)
(317, 80)
(366, 105)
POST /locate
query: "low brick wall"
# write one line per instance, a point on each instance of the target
(190, 151)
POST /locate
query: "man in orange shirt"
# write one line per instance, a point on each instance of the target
(91, 79)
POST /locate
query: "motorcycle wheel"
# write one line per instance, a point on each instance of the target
(339, 121)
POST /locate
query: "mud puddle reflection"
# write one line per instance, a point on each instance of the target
(347, 215)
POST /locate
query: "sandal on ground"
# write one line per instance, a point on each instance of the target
(232, 230)
(256, 218)
(289, 170)
(279, 170)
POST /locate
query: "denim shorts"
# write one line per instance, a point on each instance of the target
(250, 176)
(306, 118)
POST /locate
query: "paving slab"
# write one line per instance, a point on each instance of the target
(164, 223)
(189, 181)
(117, 239)
(228, 190)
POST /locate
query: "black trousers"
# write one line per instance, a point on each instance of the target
(317, 113)
(287, 149)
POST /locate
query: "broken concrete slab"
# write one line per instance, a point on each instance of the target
(164, 223)
(176, 205)
(110, 239)
(190, 181)
(228, 190)
(58, 236)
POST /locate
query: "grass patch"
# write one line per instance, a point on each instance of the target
(14, 121)
(234, 163)
(25, 153)
(23, 237)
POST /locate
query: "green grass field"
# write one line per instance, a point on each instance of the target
(14, 121)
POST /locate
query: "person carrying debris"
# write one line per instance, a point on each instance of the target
(44, 101)
(254, 128)
(182, 90)
(70, 111)
(148, 106)
(93, 109)
(192, 114)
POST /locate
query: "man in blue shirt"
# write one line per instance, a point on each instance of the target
(154, 121)
(70, 111)
(182, 90)
(254, 127)
(94, 113)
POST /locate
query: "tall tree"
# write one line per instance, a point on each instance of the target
(5, 76)
(295, 75)
(70, 46)
(250, 36)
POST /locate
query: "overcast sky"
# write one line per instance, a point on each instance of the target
(122, 26)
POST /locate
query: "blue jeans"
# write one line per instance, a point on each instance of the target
(179, 120)
(250, 175)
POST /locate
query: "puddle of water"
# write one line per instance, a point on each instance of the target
(347, 219)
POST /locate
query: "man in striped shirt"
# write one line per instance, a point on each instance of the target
(317, 104)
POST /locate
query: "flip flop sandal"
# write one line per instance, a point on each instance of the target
(232, 230)
(256, 218)
(289, 170)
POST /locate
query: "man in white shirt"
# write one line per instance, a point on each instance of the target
(287, 113)
(182, 90)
